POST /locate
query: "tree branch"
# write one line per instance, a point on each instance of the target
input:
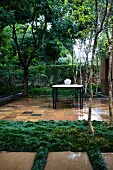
(96, 11)
(24, 35)
(17, 45)
(105, 12)
(107, 22)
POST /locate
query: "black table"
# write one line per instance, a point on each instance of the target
(61, 86)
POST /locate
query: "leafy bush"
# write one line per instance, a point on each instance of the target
(48, 91)
(40, 91)
(8, 91)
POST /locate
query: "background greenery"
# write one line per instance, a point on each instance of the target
(45, 32)
(41, 77)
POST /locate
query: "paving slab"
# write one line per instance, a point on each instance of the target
(16, 160)
(68, 161)
(25, 109)
(55, 161)
(108, 158)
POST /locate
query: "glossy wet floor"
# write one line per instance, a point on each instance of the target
(55, 161)
(68, 161)
(16, 160)
(40, 108)
(74, 160)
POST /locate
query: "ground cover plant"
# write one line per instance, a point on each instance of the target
(48, 136)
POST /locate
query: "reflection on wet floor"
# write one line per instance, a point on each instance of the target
(40, 108)
(68, 160)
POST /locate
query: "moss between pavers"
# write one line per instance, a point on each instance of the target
(49, 136)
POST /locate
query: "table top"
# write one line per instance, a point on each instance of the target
(67, 86)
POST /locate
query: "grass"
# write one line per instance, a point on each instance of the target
(46, 136)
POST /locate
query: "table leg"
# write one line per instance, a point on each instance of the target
(54, 97)
(76, 95)
(81, 98)
(56, 94)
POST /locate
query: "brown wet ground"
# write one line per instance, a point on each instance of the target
(16, 160)
(40, 108)
(55, 161)
(74, 161)
(68, 161)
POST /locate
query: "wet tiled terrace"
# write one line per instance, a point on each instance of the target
(40, 108)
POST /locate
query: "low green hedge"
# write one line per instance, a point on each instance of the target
(40, 91)
(48, 91)
(49, 136)
(9, 91)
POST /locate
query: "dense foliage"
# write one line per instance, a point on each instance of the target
(43, 137)
(40, 31)
(39, 76)
(42, 75)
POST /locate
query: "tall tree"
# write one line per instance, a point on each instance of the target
(109, 33)
(28, 21)
(73, 23)
(98, 26)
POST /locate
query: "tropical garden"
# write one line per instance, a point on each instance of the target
(43, 42)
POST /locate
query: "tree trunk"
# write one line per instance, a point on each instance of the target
(110, 42)
(80, 72)
(110, 88)
(25, 81)
(87, 48)
(110, 79)
(76, 73)
(98, 31)
(90, 86)
(90, 99)
(97, 76)
(86, 80)
(73, 69)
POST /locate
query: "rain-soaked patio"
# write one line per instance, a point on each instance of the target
(40, 108)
